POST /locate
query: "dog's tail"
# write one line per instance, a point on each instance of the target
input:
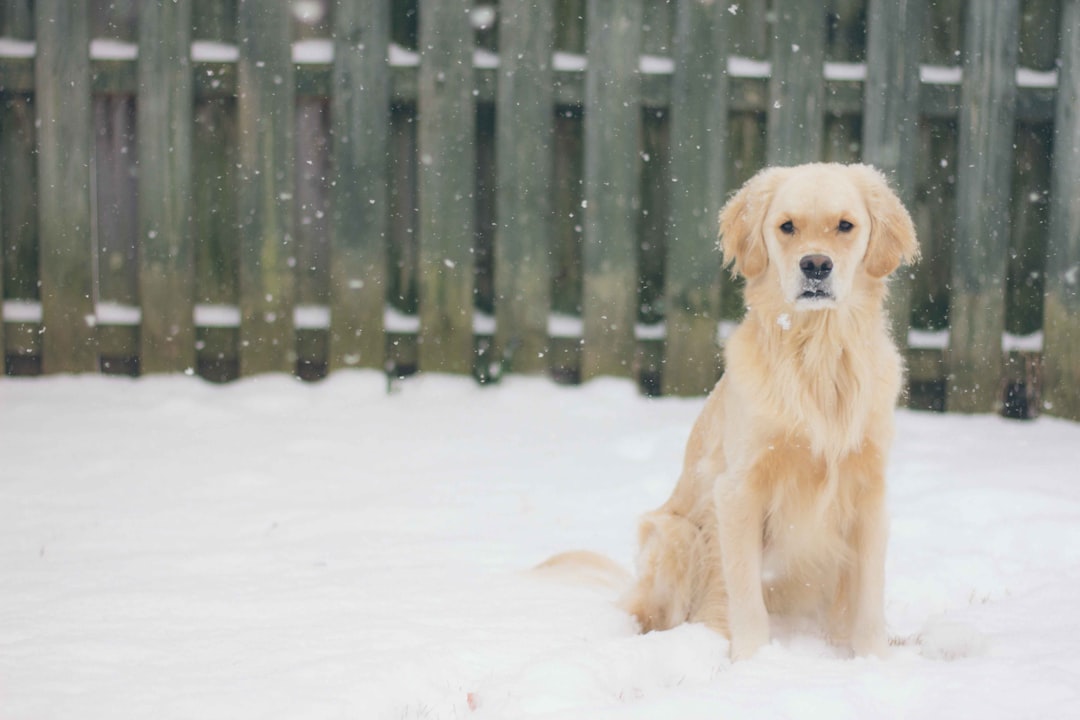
(584, 567)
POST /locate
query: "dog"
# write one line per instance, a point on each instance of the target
(780, 507)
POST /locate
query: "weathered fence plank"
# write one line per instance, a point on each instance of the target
(977, 292)
(115, 224)
(313, 256)
(447, 186)
(524, 168)
(1061, 356)
(890, 122)
(360, 204)
(114, 196)
(699, 114)
(217, 255)
(165, 122)
(266, 187)
(62, 72)
(796, 119)
(17, 19)
(3, 340)
(19, 252)
(214, 19)
(612, 129)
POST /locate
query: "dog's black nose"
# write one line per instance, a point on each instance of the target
(816, 267)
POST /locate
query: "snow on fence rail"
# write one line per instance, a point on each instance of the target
(226, 189)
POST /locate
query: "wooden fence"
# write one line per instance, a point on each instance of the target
(232, 187)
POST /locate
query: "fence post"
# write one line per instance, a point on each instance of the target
(977, 291)
(795, 115)
(525, 117)
(447, 186)
(360, 112)
(62, 97)
(3, 341)
(890, 123)
(265, 110)
(164, 128)
(699, 109)
(1061, 349)
(612, 130)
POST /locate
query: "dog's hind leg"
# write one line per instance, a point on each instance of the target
(665, 590)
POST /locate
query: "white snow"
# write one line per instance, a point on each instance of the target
(272, 549)
(485, 59)
(16, 48)
(483, 323)
(114, 313)
(311, 317)
(744, 67)
(1026, 77)
(845, 71)
(213, 51)
(565, 326)
(110, 49)
(939, 340)
(656, 65)
(219, 316)
(313, 51)
(569, 62)
(21, 311)
(396, 321)
(1022, 343)
(940, 74)
(403, 57)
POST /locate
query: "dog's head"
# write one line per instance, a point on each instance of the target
(816, 228)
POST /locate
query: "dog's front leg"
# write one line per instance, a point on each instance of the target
(740, 519)
(868, 635)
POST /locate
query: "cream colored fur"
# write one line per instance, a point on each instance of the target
(780, 508)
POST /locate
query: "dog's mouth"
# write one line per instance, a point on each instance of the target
(815, 294)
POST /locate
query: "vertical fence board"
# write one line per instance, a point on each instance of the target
(524, 167)
(1061, 357)
(796, 120)
(612, 130)
(17, 19)
(214, 20)
(217, 255)
(115, 224)
(18, 205)
(403, 250)
(698, 148)
(266, 98)
(360, 207)
(3, 341)
(568, 223)
(447, 187)
(62, 77)
(166, 257)
(890, 123)
(987, 118)
(18, 193)
(313, 134)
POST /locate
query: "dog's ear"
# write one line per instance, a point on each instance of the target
(741, 238)
(892, 234)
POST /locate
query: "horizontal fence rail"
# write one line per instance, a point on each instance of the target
(235, 187)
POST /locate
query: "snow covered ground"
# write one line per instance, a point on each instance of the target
(271, 549)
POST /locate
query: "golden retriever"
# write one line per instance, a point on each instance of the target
(780, 508)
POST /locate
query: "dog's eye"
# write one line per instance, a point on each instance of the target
(788, 228)
(844, 226)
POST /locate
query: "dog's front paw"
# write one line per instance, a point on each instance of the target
(748, 639)
(870, 641)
